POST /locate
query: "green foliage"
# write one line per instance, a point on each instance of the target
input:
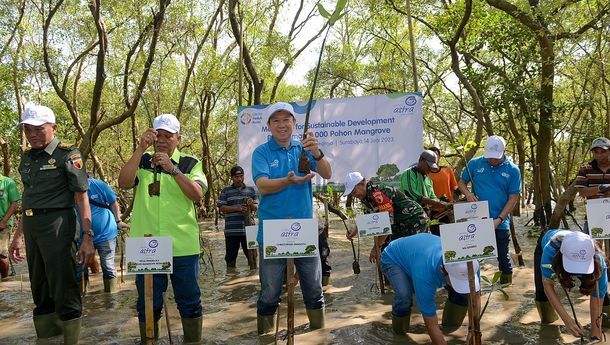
(493, 285)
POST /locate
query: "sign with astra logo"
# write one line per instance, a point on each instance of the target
(290, 238)
(149, 255)
(468, 210)
(468, 241)
(251, 231)
(598, 218)
(373, 224)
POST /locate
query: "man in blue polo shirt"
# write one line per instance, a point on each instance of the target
(415, 264)
(233, 203)
(286, 193)
(498, 180)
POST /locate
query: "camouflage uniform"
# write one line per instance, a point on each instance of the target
(406, 216)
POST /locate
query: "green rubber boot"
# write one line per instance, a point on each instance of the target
(546, 312)
(110, 285)
(192, 330)
(453, 316)
(265, 323)
(400, 325)
(47, 325)
(143, 332)
(316, 318)
(71, 331)
(506, 278)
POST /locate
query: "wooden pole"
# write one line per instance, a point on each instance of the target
(412, 44)
(169, 329)
(474, 322)
(513, 236)
(148, 307)
(378, 263)
(290, 298)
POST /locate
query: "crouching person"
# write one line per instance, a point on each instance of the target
(415, 263)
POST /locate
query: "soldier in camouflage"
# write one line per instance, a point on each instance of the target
(406, 216)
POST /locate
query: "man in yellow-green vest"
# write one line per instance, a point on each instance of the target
(164, 207)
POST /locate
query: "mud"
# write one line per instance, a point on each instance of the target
(356, 313)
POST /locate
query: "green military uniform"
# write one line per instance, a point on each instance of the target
(407, 216)
(50, 178)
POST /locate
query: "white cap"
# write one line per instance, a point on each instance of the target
(279, 106)
(351, 180)
(37, 115)
(167, 122)
(578, 251)
(458, 276)
(494, 147)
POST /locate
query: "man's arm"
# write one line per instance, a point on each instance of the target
(464, 189)
(116, 210)
(434, 330)
(310, 143)
(11, 210)
(86, 250)
(549, 289)
(14, 250)
(266, 185)
(508, 208)
(127, 176)
(189, 187)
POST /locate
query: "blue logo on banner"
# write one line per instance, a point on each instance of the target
(471, 228)
(153, 244)
(295, 226)
(410, 101)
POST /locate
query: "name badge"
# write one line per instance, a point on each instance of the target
(48, 167)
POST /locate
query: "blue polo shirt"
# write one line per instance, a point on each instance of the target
(494, 184)
(295, 201)
(549, 250)
(102, 219)
(420, 257)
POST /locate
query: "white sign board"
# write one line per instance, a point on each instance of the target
(463, 211)
(467, 241)
(149, 255)
(598, 218)
(347, 130)
(598, 201)
(290, 238)
(373, 224)
(251, 232)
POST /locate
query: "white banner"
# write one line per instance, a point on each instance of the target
(290, 238)
(251, 232)
(356, 134)
(467, 241)
(148, 255)
(598, 219)
(373, 224)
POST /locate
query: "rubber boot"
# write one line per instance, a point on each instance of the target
(265, 323)
(453, 316)
(606, 318)
(325, 280)
(316, 318)
(192, 330)
(546, 311)
(71, 331)
(47, 325)
(110, 285)
(506, 278)
(143, 332)
(400, 325)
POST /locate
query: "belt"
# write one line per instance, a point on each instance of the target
(40, 211)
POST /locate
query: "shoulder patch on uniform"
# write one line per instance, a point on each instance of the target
(76, 160)
(66, 146)
(187, 163)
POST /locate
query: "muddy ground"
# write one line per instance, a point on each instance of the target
(355, 312)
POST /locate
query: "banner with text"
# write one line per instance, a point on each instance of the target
(148, 255)
(356, 134)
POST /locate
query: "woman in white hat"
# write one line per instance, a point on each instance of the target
(567, 255)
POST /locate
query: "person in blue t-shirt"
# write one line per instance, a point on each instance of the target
(498, 180)
(286, 193)
(106, 220)
(567, 255)
(415, 264)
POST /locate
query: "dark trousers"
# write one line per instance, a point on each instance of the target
(232, 244)
(324, 250)
(50, 243)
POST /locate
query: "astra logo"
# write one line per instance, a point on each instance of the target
(153, 244)
(471, 228)
(275, 163)
(481, 170)
(296, 226)
(474, 206)
(410, 101)
(505, 175)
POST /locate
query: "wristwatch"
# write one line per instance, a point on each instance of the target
(175, 171)
(320, 156)
(88, 232)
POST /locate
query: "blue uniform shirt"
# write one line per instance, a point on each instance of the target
(549, 251)
(274, 161)
(494, 184)
(420, 257)
(102, 219)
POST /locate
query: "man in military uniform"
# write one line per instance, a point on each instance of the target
(54, 180)
(406, 216)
